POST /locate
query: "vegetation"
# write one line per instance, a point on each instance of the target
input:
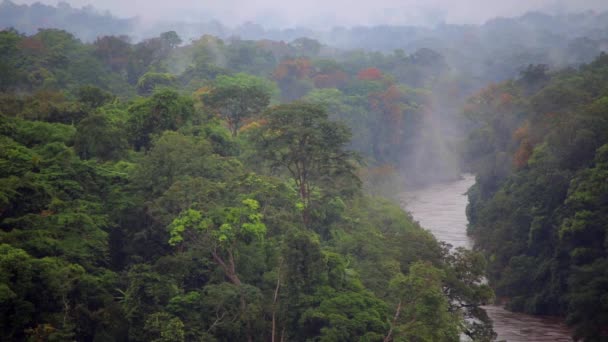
(227, 189)
(538, 209)
(141, 204)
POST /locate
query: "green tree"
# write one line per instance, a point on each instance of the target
(152, 80)
(306, 47)
(466, 291)
(421, 313)
(98, 137)
(236, 98)
(222, 231)
(163, 327)
(146, 294)
(165, 110)
(172, 157)
(93, 96)
(171, 38)
(9, 59)
(113, 51)
(300, 139)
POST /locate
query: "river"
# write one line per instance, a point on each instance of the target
(441, 208)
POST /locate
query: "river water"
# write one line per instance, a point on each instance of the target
(441, 208)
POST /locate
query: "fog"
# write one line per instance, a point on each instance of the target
(475, 56)
(323, 14)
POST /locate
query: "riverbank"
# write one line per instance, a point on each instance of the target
(441, 208)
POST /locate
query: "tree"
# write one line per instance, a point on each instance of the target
(300, 139)
(223, 231)
(465, 289)
(98, 137)
(370, 74)
(163, 327)
(172, 157)
(542, 223)
(583, 232)
(165, 110)
(306, 46)
(246, 56)
(235, 98)
(146, 294)
(148, 55)
(9, 39)
(293, 78)
(422, 312)
(171, 39)
(151, 80)
(113, 51)
(93, 96)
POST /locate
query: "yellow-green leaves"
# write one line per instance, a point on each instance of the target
(235, 98)
(226, 226)
(188, 219)
(251, 204)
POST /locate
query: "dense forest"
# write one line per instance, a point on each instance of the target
(539, 208)
(493, 51)
(225, 201)
(194, 182)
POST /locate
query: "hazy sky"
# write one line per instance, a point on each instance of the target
(331, 12)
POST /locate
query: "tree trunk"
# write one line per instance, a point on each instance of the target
(229, 269)
(230, 272)
(274, 304)
(247, 322)
(305, 196)
(389, 336)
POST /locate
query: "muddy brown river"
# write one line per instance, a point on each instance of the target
(440, 208)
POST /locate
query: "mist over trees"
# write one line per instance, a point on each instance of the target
(540, 155)
(158, 191)
(204, 183)
(491, 51)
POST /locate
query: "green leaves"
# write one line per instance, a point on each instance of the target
(165, 110)
(543, 222)
(347, 316)
(98, 137)
(239, 97)
(151, 81)
(422, 309)
(163, 327)
(300, 141)
(189, 219)
(175, 156)
(142, 219)
(226, 226)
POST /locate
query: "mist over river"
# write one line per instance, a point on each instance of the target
(441, 208)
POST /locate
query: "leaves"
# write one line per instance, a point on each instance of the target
(542, 222)
(227, 225)
(144, 219)
(236, 98)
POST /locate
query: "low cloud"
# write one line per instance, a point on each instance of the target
(329, 13)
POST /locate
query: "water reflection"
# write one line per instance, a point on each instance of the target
(440, 208)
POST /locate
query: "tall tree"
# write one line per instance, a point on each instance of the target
(165, 110)
(235, 98)
(300, 139)
(422, 309)
(223, 231)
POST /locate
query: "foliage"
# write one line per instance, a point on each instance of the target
(541, 218)
(299, 138)
(165, 110)
(151, 80)
(144, 219)
(237, 98)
